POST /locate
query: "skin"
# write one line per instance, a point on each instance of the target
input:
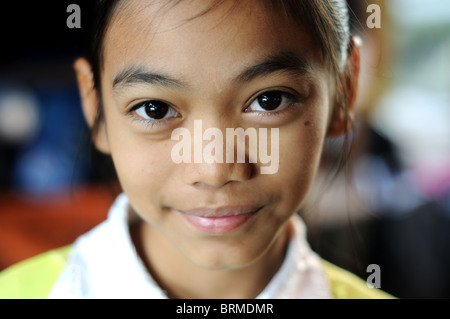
(206, 54)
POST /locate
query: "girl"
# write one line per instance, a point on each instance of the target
(204, 228)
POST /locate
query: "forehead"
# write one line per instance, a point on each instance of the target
(182, 36)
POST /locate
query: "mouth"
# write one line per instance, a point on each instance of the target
(220, 221)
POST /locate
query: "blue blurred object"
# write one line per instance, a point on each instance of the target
(53, 162)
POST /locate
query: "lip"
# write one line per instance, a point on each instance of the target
(221, 220)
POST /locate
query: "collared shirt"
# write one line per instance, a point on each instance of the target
(104, 263)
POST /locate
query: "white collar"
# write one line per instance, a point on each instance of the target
(104, 264)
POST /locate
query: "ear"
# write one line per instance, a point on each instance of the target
(90, 104)
(347, 89)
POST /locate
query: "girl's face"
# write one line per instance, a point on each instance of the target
(242, 67)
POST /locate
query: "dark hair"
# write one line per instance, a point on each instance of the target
(327, 20)
(102, 12)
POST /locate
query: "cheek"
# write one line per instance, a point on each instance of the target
(300, 152)
(299, 157)
(143, 167)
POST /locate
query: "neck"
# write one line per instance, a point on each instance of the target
(180, 278)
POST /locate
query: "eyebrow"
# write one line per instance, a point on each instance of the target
(136, 74)
(284, 61)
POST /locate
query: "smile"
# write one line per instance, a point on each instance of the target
(220, 221)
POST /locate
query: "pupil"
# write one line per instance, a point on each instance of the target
(156, 110)
(270, 101)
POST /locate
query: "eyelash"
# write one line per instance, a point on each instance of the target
(148, 123)
(293, 101)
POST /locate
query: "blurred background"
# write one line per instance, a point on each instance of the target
(51, 189)
(389, 206)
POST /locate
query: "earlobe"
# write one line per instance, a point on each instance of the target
(90, 104)
(343, 113)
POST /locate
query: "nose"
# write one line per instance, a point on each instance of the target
(224, 166)
(217, 174)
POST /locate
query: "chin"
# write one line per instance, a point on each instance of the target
(227, 255)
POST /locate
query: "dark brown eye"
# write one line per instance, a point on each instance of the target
(270, 100)
(154, 110)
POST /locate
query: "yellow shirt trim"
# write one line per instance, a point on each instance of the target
(35, 277)
(346, 285)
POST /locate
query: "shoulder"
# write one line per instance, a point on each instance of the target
(34, 277)
(345, 285)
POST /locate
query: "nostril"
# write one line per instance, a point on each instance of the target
(217, 174)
